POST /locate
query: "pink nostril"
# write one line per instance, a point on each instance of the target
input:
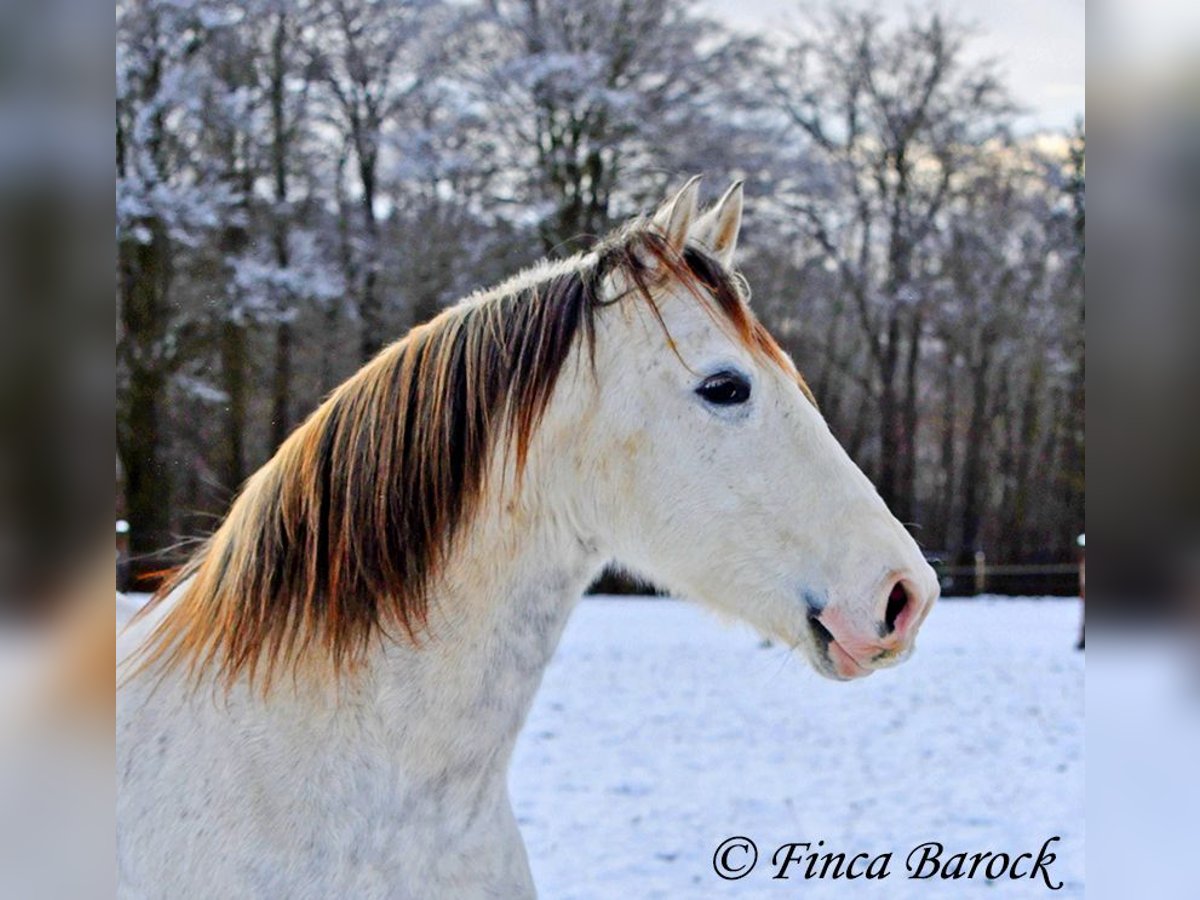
(896, 604)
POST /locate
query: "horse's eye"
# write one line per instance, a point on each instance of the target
(725, 389)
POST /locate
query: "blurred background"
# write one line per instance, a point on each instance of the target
(300, 182)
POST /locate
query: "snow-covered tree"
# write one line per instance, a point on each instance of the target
(170, 199)
(885, 113)
(594, 106)
(299, 181)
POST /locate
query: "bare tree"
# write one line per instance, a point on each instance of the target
(168, 197)
(375, 57)
(994, 316)
(886, 113)
(598, 104)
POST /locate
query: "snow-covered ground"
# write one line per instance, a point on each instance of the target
(659, 732)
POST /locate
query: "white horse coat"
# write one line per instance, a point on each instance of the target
(679, 450)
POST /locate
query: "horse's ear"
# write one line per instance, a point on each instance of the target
(718, 228)
(674, 218)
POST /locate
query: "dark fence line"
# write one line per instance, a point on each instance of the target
(1015, 579)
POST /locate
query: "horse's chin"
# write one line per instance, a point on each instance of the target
(837, 665)
(813, 642)
(832, 661)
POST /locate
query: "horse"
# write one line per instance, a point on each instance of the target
(324, 700)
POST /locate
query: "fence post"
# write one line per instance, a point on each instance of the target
(980, 572)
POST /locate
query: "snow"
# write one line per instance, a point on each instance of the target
(1144, 725)
(659, 732)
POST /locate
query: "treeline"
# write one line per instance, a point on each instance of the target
(300, 181)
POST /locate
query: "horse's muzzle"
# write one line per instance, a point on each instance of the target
(851, 648)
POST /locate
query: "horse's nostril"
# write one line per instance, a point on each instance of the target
(897, 600)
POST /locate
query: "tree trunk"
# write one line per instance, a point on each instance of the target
(145, 275)
(1029, 442)
(889, 417)
(892, 461)
(144, 278)
(281, 381)
(830, 399)
(370, 309)
(945, 502)
(906, 489)
(281, 385)
(974, 459)
(233, 373)
(329, 372)
(858, 436)
(1004, 416)
(147, 482)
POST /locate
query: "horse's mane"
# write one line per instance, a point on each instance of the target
(340, 535)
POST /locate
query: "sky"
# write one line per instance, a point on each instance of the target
(1039, 44)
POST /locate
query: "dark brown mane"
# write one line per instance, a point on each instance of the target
(341, 534)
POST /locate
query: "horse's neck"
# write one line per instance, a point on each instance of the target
(458, 700)
(403, 767)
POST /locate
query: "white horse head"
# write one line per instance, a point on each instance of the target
(701, 460)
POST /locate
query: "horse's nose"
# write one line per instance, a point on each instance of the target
(904, 606)
(899, 605)
(856, 640)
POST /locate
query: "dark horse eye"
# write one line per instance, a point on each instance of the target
(725, 389)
